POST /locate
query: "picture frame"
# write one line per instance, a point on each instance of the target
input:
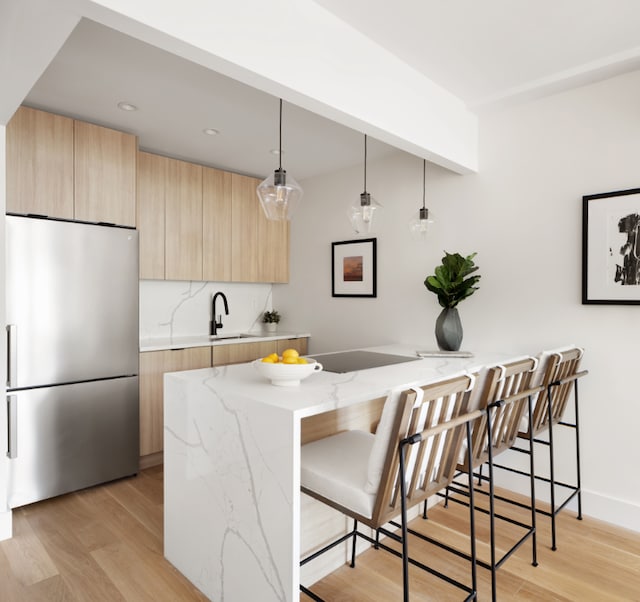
(611, 248)
(353, 268)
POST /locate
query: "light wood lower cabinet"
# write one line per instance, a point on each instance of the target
(247, 352)
(153, 365)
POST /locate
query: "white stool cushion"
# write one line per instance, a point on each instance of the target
(336, 468)
(381, 443)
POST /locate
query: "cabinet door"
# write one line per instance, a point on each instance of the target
(152, 175)
(105, 175)
(40, 164)
(247, 352)
(273, 241)
(183, 227)
(300, 345)
(216, 223)
(241, 352)
(153, 365)
(244, 238)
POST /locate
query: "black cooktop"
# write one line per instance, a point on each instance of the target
(352, 361)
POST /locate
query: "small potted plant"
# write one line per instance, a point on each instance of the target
(271, 319)
(452, 283)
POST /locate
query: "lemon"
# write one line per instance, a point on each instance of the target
(268, 360)
(290, 354)
(302, 360)
(289, 360)
(274, 357)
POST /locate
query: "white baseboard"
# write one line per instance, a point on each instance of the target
(617, 512)
(6, 525)
(620, 513)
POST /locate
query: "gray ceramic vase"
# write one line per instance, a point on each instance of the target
(449, 329)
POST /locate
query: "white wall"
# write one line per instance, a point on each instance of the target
(5, 513)
(522, 214)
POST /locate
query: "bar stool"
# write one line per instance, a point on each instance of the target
(376, 478)
(506, 396)
(558, 376)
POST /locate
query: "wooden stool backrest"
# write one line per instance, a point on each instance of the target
(559, 368)
(510, 384)
(440, 417)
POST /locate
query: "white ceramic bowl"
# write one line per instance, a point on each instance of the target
(286, 375)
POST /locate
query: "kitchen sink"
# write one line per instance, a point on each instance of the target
(226, 337)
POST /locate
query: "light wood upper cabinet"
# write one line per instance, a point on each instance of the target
(244, 227)
(273, 250)
(205, 224)
(216, 225)
(152, 174)
(40, 164)
(260, 246)
(104, 175)
(183, 228)
(153, 365)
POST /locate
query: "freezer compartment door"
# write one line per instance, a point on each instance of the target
(72, 436)
(72, 301)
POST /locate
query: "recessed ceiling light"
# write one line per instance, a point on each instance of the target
(275, 151)
(127, 106)
(210, 132)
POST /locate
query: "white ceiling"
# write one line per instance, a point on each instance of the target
(487, 53)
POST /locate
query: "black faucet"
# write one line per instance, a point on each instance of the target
(216, 323)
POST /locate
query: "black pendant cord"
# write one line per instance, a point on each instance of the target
(424, 182)
(365, 163)
(280, 138)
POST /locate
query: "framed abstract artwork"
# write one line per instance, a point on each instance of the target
(353, 268)
(611, 248)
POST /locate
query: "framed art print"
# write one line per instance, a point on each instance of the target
(353, 268)
(611, 248)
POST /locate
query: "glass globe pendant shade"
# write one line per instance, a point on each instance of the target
(419, 226)
(279, 195)
(363, 214)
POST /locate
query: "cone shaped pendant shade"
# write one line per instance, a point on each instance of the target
(279, 194)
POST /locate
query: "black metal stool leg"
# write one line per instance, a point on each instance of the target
(578, 477)
(532, 485)
(552, 481)
(353, 545)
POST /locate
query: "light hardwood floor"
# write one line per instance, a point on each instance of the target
(105, 544)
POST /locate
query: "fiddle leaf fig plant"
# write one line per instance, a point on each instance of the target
(452, 281)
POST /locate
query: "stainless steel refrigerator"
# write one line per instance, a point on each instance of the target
(72, 336)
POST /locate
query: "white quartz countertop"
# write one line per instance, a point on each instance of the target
(182, 342)
(323, 391)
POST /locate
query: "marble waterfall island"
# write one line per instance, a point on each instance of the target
(232, 467)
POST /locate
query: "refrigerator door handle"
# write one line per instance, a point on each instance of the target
(12, 424)
(12, 355)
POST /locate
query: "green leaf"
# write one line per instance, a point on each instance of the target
(451, 280)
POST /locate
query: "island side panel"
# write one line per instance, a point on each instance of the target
(232, 506)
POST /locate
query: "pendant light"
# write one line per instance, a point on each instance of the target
(279, 195)
(419, 226)
(363, 212)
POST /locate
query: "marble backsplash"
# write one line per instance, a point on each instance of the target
(183, 308)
